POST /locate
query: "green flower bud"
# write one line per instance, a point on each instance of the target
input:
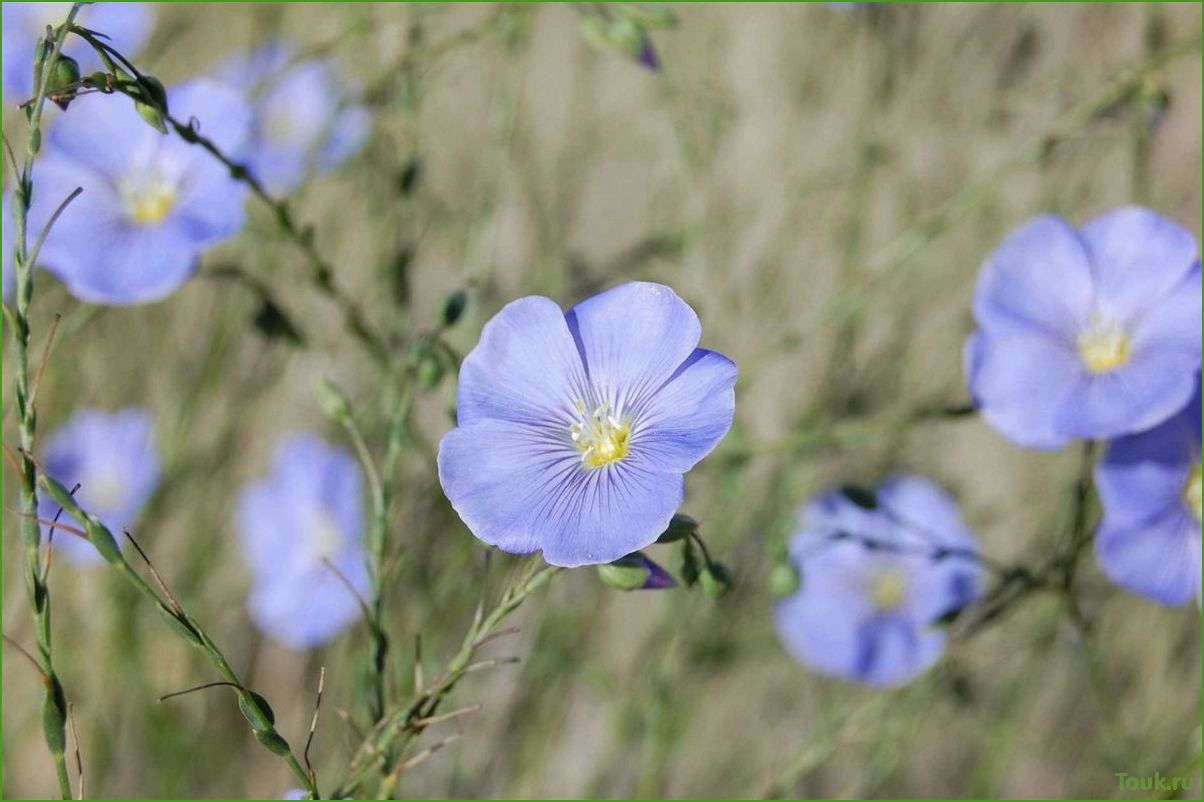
(152, 115)
(783, 580)
(681, 525)
(333, 402)
(54, 716)
(626, 573)
(453, 307)
(63, 79)
(104, 541)
(430, 371)
(152, 105)
(256, 710)
(715, 579)
(689, 564)
(272, 740)
(625, 34)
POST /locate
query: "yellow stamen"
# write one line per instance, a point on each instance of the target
(148, 200)
(601, 437)
(1191, 493)
(1104, 345)
(890, 589)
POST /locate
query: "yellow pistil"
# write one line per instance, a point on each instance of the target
(889, 589)
(601, 437)
(149, 200)
(1104, 345)
(1191, 493)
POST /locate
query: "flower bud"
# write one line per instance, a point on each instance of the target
(272, 740)
(453, 307)
(784, 580)
(680, 526)
(152, 106)
(635, 572)
(63, 79)
(54, 715)
(333, 402)
(430, 371)
(689, 564)
(715, 579)
(861, 496)
(256, 710)
(626, 573)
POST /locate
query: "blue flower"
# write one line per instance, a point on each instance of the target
(303, 518)
(1092, 333)
(112, 456)
(151, 203)
(304, 118)
(877, 576)
(575, 430)
(1149, 539)
(127, 25)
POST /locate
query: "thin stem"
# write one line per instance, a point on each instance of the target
(252, 705)
(407, 723)
(321, 273)
(54, 714)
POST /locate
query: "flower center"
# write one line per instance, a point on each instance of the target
(1104, 345)
(105, 492)
(889, 589)
(283, 127)
(149, 198)
(601, 436)
(325, 538)
(1191, 493)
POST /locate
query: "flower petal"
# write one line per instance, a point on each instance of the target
(686, 418)
(524, 369)
(307, 610)
(1144, 474)
(1137, 257)
(522, 489)
(1020, 382)
(1038, 278)
(633, 338)
(1159, 559)
(1173, 323)
(1137, 396)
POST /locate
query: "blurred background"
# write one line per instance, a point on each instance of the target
(821, 182)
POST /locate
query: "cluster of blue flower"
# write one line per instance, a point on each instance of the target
(153, 203)
(575, 429)
(1090, 334)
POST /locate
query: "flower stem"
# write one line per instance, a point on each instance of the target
(253, 706)
(400, 727)
(54, 713)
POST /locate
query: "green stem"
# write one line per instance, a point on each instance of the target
(253, 706)
(404, 724)
(54, 714)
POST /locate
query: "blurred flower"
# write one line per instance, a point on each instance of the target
(876, 581)
(113, 458)
(304, 118)
(1149, 539)
(303, 518)
(127, 26)
(1091, 334)
(575, 430)
(150, 204)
